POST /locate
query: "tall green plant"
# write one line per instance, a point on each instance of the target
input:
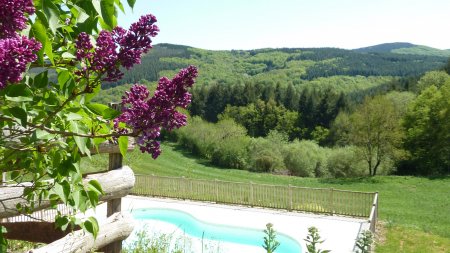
(270, 242)
(313, 241)
(364, 241)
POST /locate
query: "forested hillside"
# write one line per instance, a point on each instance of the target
(273, 105)
(405, 48)
(298, 63)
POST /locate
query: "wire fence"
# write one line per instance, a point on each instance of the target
(42, 215)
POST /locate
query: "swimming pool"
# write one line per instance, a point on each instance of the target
(196, 228)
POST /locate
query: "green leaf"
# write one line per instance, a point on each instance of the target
(90, 96)
(40, 32)
(3, 241)
(73, 116)
(63, 77)
(15, 174)
(80, 141)
(97, 6)
(80, 200)
(79, 13)
(95, 186)
(123, 144)
(52, 14)
(19, 99)
(62, 222)
(103, 110)
(119, 3)
(48, 49)
(18, 93)
(18, 90)
(97, 108)
(43, 135)
(93, 197)
(62, 190)
(131, 3)
(41, 80)
(67, 55)
(91, 225)
(20, 114)
(108, 12)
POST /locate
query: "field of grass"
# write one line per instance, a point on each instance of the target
(416, 211)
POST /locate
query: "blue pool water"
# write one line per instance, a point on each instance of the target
(196, 228)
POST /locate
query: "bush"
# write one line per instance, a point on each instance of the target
(345, 162)
(198, 137)
(224, 144)
(265, 154)
(305, 159)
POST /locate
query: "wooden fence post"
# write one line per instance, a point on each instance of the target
(114, 205)
(251, 200)
(217, 189)
(290, 197)
(331, 201)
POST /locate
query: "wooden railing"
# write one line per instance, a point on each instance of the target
(116, 183)
(317, 200)
(374, 213)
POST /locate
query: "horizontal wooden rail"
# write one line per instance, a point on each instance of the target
(115, 184)
(318, 200)
(116, 228)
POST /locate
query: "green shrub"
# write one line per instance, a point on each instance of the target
(265, 154)
(198, 137)
(156, 242)
(305, 159)
(345, 162)
(364, 242)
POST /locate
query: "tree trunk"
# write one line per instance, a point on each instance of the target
(376, 167)
(116, 228)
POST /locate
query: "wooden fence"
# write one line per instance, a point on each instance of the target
(317, 200)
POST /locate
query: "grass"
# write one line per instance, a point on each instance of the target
(413, 207)
(400, 239)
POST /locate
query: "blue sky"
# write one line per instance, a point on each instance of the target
(251, 24)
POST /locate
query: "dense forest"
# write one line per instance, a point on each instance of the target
(306, 111)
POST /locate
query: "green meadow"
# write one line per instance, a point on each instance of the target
(414, 212)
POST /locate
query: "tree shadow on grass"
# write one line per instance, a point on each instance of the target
(354, 180)
(196, 158)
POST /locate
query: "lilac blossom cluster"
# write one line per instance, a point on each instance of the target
(15, 51)
(15, 54)
(114, 49)
(146, 116)
(12, 16)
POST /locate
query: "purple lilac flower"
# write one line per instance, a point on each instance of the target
(137, 40)
(15, 54)
(12, 16)
(105, 57)
(84, 47)
(146, 116)
(117, 48)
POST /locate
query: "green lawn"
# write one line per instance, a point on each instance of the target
(416, 210)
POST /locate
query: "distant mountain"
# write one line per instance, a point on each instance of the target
(385, 47)
(285, 64)
(404, 48)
